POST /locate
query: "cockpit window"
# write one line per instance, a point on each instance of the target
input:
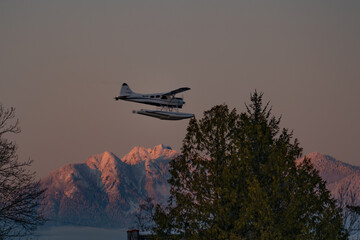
(157, 96)
(164, 97)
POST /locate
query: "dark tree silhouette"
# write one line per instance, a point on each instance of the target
(355, 209)
(237, 179)
(144, 216)
(20, 193)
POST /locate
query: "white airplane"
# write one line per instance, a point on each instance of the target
(166, 101)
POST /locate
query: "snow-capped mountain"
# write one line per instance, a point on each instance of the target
(339, 176)
(105, 190)
(343, 181)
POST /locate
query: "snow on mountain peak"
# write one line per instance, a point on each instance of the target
(141, 154)
(100, 161)
(331, 169)
(162, 146)
(136, 155)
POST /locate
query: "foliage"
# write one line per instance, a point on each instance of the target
(144, 216)
(355, 209)
(347, 199)
(20, 194)
(237, 179)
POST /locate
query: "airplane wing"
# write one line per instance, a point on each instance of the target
(176, 91)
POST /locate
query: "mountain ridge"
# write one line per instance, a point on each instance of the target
(105, 190)
(336, 173)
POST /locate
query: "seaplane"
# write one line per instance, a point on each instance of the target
(168, 104)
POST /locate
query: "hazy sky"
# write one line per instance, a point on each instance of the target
(62, 62)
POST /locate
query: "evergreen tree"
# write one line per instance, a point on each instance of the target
(237, 179)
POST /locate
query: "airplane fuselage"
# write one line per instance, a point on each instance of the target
(154, 99)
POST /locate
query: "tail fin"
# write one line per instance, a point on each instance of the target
(125, 90)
